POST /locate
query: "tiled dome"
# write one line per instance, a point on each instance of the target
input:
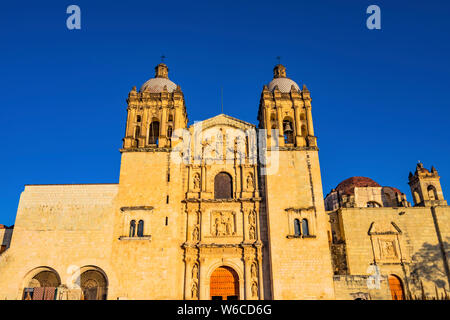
(161, 79)
(347, 186)
(157, 85)
(284, 84)
(280, 80)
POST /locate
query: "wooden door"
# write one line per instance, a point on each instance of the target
(396, 286)
(224, 284)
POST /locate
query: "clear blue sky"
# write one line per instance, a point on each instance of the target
(380, 97)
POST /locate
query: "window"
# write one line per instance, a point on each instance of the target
(169, 132)
(140, 230)
(153, 133)
(138, 119)
(305, 227)
(297, 228)
(132, 228)
(373, 204)
(288, 132)
(432, 194)
(223, 188)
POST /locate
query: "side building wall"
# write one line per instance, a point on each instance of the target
(398, 241)
(61, 227)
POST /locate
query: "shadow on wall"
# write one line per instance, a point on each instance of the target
(427, 265)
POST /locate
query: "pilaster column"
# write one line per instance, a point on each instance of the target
(310, 121)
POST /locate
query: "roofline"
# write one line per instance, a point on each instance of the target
(70, 184)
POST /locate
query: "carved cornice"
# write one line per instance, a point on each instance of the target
(237, 200)
(288, 148)
(146, 149)
(298, 210)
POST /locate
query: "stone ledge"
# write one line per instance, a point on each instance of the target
(148, 238)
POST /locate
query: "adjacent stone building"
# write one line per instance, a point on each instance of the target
(224, 209)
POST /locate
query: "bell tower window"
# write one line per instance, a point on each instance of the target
(153, 133)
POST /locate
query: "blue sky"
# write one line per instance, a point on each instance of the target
(380, 97)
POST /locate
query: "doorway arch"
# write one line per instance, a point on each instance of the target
(224, 284)
(396, 287)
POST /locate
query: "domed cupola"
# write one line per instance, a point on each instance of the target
(280, 80)
(160, 81)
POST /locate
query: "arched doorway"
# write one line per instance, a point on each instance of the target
(224, 284)
(93, 285)
(41, 285)
(396, 286)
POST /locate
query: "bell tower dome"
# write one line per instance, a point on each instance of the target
(285, 112)
(154, 112)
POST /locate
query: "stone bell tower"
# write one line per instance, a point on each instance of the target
(154, 112)
(298, 242)
(148, 218)
(425, 187)
(285, 112)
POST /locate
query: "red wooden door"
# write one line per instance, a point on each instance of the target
(224, 284)
(395, 284)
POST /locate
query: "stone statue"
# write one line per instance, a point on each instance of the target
(196, 181)
(195, 271)
(253, 271)
(254, 289)
(195, 234)
(251, 218)
(252, 234)
(249, 182)
(194, 291)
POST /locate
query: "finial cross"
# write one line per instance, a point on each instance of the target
(162, 58)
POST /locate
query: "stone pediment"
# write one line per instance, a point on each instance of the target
(223, 120)
(380, 228)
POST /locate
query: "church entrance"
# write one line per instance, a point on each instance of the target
(224, 284)
(396, 286)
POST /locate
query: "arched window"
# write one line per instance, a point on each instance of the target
(132, 228)
(169, 132)
(140, 229)
(305, 227)
(288, 132)
(432, 194)
(138, 119)
(223, 187)
(153, 134)
(297, 231)
(373, 204)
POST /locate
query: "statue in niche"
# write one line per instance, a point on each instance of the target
(253, 271)
(254, 289)
(195, 234)
(195, 272)
(196, 181)
(194, 291)
(249, 182)
(252, 233)
(251, 218)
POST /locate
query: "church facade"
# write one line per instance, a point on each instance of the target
(224, 209)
